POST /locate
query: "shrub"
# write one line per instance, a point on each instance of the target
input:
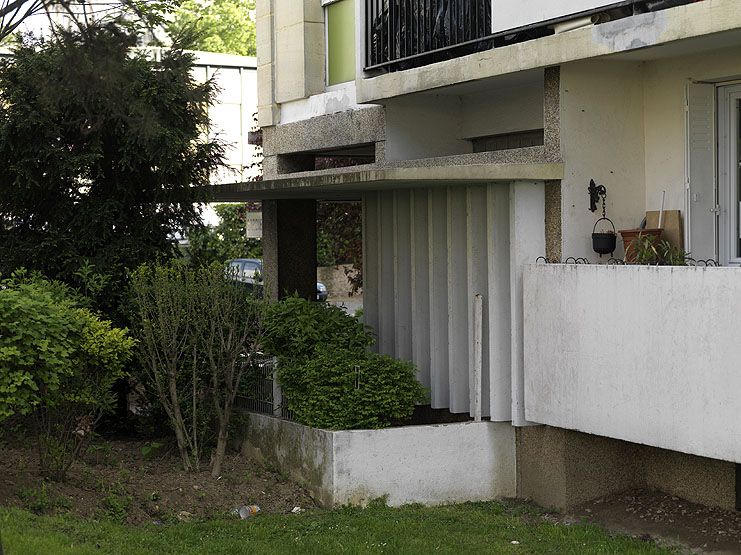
(58, 362)
(343, 389)
(294, 327)
(199, 331)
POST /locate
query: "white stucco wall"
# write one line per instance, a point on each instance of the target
(446, 463)
(665, 81)
(602, 138)
(643, 354)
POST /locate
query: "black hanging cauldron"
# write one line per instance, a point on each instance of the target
(604, 243)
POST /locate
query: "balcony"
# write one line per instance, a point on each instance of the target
(403, 34)
(639, 353)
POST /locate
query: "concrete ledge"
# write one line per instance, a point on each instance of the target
(701, 19)
(436, 464)
(351, 182)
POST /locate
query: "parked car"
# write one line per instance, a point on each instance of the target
(249, 272)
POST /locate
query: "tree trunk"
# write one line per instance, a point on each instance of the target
(221, 446)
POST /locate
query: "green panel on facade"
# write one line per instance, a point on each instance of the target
(341, 42)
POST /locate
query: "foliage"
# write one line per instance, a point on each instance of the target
(226, 240)
(136, 14)
(469, 528)
(103, 155)
(328, 375)
(226, 26)
(340, 238)
(294, 327)
(345, 389)
(58, 362)
(198, 332)
(647, 250)
(39, 500)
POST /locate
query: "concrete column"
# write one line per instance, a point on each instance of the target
(527, 243)
(289, 248)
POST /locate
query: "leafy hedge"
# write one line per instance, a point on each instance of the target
(294, 327)
(346, 389)
(58, 362)
(328, 375)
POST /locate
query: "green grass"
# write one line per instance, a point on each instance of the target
(470, 528)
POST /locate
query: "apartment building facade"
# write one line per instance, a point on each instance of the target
(470, 131)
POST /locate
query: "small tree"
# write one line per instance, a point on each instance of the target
(199, 332)
(230, 338)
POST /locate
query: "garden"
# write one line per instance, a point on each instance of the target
(123, 359)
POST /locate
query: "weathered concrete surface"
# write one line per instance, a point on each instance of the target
(350, 182)
(644, 354)
(562, 469)
(434, 464)
(304, 454)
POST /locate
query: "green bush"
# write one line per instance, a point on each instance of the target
(294, 327)
(345, 389)
(58, 362)
(198, 330)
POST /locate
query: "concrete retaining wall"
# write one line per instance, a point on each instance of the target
(437, 464)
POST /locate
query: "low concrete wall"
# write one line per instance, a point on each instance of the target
(437, 464)
(562, 469)
(644, 354)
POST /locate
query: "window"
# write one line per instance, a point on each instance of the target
(340, 22)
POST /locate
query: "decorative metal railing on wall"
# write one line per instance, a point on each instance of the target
(403, 30)
(261, 392)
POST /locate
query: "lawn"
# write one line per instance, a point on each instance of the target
(470, 528)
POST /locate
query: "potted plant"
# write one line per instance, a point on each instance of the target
(632, 238)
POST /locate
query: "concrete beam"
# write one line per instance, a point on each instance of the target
(352, 182)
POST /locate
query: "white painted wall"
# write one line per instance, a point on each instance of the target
(643, 354)
(424, 127)
(665, 81)
(338, 98)
(232, 113)
(510, 14)
(507, 110)
(434, 465)
(602, 138)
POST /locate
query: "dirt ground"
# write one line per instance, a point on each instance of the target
(116, 480)
(647, 514)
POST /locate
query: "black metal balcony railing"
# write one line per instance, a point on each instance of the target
(404, 30)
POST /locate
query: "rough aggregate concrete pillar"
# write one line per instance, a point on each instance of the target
(289, 248)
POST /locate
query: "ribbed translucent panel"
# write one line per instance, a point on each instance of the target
(428, 253)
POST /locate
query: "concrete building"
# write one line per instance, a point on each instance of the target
(472, 130)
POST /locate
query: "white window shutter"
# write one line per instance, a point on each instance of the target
(701, 218)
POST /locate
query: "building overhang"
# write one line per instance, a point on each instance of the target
(350, 184)
(706, 25)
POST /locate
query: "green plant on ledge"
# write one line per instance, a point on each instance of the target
(649, 252)
(329, 377)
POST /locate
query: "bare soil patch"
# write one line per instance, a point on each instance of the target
(116, 480)
(650, 514)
